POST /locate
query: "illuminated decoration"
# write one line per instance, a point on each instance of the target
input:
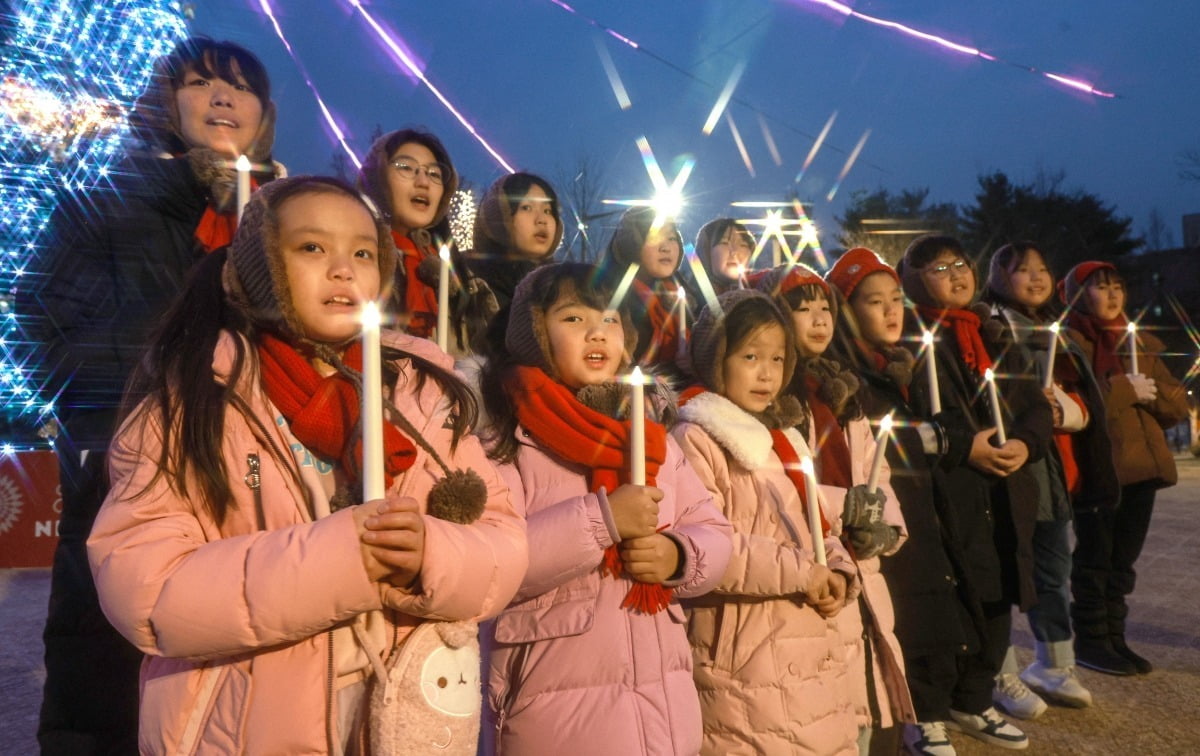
(955, 47)
(462, 219)
(668, 199)
(70, 74)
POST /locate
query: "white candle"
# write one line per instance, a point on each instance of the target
(1132, 328)
(741, 270)
(682, 342)
(814, 509)
(881, 442)
(997, 416)
(243, 184)
(372, 405)
(637, 429)
(1054, 328)
(443, 314)
(935, 397)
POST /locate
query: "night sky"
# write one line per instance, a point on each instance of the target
(529, 75)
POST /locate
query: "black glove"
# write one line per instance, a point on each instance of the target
(873, 540)
(862, 507)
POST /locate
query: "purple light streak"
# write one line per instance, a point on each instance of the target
(611, 32)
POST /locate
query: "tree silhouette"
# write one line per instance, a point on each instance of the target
(886, 222)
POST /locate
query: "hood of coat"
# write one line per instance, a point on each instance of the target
(738, 432)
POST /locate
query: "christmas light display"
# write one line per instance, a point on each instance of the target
(462, 219)
(68, 77)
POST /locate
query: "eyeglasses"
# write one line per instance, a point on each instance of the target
(947, 269)
(436, 172)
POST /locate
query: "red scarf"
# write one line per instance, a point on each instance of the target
(965, 325)
(1105, 336)
(581, 435)
(791, 465)
(664, 339)
(831, 450)
(420, 300)
(322, 411)
(215, 230)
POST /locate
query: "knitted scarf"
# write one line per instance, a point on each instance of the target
(558, 421)
(965, 326)
(1105, 336)
(420, 301)
(832, 453)
(216, 229)
(791, 465)
(664, 340)
(879, 361)
(323, 411)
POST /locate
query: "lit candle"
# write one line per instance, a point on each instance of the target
(814, 509)
(1054, 328)
(994, 395)
(1132, 328)
(637, 428)
(741, 270)
(243, 184)
(443, 315)
(881, 442)
(935, 397)
(682, 341)
(372, 405)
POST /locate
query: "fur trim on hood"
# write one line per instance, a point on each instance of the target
(738, 432)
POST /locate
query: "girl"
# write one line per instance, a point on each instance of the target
(771, 666)
(518, 227)
(232, 549)
(657, 250)
(723, 248)
(1140, 405)
(1020, 289)
(991, 491)
(870, 521)
(410, 178)
(591, 657)
(935, 615)
(169, 201)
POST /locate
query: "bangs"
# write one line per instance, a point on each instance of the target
(578, 282)
(1104, 276)
(805, 293)
(226, 62)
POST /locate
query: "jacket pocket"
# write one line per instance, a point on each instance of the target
(558, 620)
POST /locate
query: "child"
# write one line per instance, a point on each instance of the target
(1140, 405)
(231, 549)
(770, 663)
(723, 248)
(935, 616)
(592, 657)
(653, 299)
(410, 178)
(517, 228)
(870, 521)
(115, 259)
(989, 493)
(1020, 289)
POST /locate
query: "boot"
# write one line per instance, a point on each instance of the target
(1098, 654)
(1140, 663)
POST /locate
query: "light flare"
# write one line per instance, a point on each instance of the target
(741, 146)
(850, 160)
(614, 78)
(722, 102)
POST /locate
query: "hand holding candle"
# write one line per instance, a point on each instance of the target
(1054, 328)
(637, 428)
(443, 314)
(1133, 354)
(814, 509)
(372, 405)
(935, 397)
(881, 443)
(243, 184)
(989, 377)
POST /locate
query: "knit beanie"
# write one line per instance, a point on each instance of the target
(708, 345)
(493, 233)
(1070, 288)
(255, 277)
(625, 246)
(711, 234)
(778, 281)
(373, 175)
(854, 266)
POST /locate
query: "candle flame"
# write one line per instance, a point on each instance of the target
(885, 423)
(444, 252)
(242, 164)
(927, 338)
(806, 465)
(1131, 327)
(681, 294)
(370, 316)
(1054, 327)
(988, 375)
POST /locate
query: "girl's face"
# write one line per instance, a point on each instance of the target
(534, 225)
(878, 306)
(415, 180)
(586, 345)
(949, 280)
(1031, 282)
(730, 255)
(813, 323)
(216, 114)
(753, 372)
(661, 252)
(1105, 297)
(331, 257)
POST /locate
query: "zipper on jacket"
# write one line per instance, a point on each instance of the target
(253, 479)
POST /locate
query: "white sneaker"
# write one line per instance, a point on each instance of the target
(1059, 684)
(928, 739)
(989, 727)
(1011, 695)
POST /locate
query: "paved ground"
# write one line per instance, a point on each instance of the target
(1155, 714)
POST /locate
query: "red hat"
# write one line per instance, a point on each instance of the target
(779, 281)
(1069, 286)
(851, 268)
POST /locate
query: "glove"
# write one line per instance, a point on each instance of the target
(862, 507)
(1145, 388)
(873, 540)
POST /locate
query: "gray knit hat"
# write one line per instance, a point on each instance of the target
(708, 345)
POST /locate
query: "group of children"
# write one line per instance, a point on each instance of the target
(705, 596)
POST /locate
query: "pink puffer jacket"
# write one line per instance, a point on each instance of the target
(236, 619)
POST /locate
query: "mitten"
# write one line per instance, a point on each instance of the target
(873, 540)
(862, 508)
(1144, 387)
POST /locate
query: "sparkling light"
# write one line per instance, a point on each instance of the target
(723, 99)
(862, 141)
(668, 199)
(462, 219)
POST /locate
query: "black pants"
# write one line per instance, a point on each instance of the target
(1107, 545)
(90, 699)
(963, 682)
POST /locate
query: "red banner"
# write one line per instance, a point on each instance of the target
(30, 504)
